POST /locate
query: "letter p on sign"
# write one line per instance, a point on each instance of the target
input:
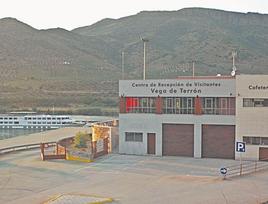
(240, 146)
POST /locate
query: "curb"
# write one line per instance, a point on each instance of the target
(106, 200)
(74, 158)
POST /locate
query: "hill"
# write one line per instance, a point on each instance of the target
(55, 67)
(206, 36)
(78, 69)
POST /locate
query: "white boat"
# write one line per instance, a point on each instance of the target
(31, 120)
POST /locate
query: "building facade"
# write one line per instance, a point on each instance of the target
(199, 117)
(252, 115)
(183, 117)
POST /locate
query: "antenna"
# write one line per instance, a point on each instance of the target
(234, 55)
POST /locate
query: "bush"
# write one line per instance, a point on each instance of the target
(81, 140)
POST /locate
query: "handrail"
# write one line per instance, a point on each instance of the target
(23, 147)
(246, 167)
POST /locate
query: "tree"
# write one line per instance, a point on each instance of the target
(81, 139)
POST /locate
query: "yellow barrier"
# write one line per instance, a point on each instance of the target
(105, 200)
(75, 158)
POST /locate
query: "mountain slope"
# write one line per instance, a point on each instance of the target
(78, 69)
(55, 67)
(205, 35)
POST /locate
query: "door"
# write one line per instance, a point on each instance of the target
(218, 141)
(151, 143)
(263, 154)
(178, 140)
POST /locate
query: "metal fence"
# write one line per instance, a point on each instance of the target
(23, 147)
(246, 167)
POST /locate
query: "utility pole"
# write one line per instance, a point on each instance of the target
(144, 40)
(193, 68)
(123, 65)
(234, 54)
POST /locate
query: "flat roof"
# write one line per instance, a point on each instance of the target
(206, 77)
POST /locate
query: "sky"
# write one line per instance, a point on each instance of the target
(70, 14)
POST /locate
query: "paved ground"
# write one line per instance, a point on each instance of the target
(46, 136)
(127, 179)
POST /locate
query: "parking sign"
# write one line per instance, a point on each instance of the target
(240, 146)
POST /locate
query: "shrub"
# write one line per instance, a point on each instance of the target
(81, 140)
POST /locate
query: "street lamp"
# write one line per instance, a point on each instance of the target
(123, 64)
(144, 40)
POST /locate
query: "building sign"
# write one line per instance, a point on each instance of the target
(258, 87)
(177, 87)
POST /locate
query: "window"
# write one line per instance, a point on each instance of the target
(218, 105)
(255, 140)
(133, 137)
(169, 105)
(183, 105)
(255, 102)
(209, 105)
(190, 106)
(264, 140)
(140, 105)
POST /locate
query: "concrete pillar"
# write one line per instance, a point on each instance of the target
(198, 140)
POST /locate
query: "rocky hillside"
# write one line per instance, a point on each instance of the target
(78, 69)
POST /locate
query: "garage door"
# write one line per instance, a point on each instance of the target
(263, 154)
(218, 141)
(178, 140)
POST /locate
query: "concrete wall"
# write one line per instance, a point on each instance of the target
(152, 123)
(251, 121)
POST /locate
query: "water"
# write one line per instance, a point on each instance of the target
(8, 133)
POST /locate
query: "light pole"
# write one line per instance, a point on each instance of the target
(123, 65)
(144, 40)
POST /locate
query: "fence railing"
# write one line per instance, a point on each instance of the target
(23, 147)
(246, 167)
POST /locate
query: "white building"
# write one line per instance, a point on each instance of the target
(183, 117)
(252, 115)
(195, 117)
